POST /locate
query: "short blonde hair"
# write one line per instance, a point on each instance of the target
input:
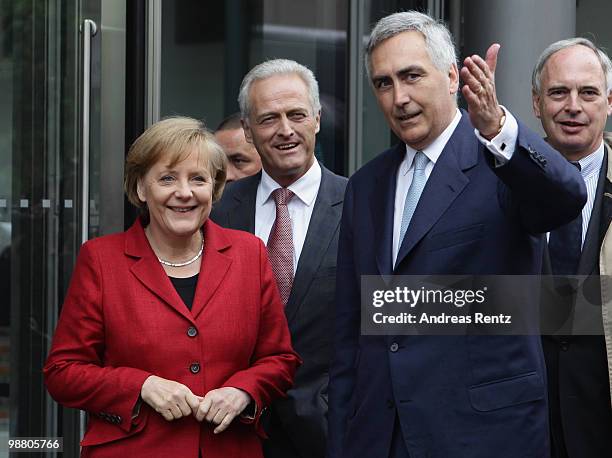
(173, 139)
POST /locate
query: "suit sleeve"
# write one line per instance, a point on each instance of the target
(74, 372)
(541, 184)
(273, 362)
(346, 332)
(304, 413)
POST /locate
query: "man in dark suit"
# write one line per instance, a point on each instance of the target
(473, 193)
(572, 83)
(279, 102)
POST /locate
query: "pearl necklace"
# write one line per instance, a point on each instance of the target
(186, 263)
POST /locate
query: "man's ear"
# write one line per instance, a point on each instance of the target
(453, 76)
(247, 130)
(318, 119)
(609, 103)
(535, 100)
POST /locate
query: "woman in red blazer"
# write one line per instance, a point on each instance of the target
(172, 335)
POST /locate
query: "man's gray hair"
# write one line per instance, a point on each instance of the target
(278, 67)
(604, 60)
(438, 40)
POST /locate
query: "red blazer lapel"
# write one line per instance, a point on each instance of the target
(149, 271)
(214, 266)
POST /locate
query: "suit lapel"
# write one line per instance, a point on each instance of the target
(589, 258)
(242, 214)
(382, 202)
(321, 229)
(214, 266)
(606, 205)
(445, 183)
(149, 271)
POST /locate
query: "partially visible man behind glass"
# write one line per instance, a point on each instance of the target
(242, 157)
(174, 321)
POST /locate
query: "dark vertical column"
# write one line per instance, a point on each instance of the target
(27, 237)
(236, 52)
(135, 82)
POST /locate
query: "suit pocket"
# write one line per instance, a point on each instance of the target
(507, 392)
(459, 236)
(100, 432)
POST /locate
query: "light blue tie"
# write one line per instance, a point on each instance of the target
(414, 192)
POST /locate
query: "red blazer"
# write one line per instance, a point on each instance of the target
(122, 321)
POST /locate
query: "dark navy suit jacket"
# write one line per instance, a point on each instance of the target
(455, 396)
(579, 389)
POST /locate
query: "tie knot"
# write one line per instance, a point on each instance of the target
(576, 164)
(282, 196)
(420, 161)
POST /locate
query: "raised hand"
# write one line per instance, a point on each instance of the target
(172, 400)
(479, 92)
(221, 406)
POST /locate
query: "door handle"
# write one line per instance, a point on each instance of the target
(89, 29)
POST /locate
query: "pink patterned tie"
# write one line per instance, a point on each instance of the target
(280, 244)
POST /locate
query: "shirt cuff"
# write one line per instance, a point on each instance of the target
(503, 144)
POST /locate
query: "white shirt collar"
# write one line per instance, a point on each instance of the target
(305, 188)
(592, 163)
(434, 150)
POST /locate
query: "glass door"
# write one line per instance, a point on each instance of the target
(52, 124)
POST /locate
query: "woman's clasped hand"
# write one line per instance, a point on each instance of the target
(173, 400)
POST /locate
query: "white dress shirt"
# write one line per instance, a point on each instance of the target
(300, 207)
(502, 148)
(590, 167)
